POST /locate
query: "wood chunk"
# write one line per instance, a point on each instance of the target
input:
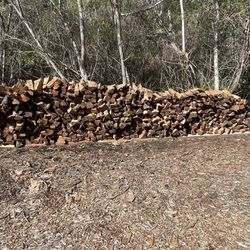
(89, 105)
(61, 140)
(157, 96)
(134, 88)
(92, 86)
(147, 94)
(28, 114)
(71, 87)
(82, 86)
(110, 89)
(74, 122)
(238, 107)
(24, 98)
(45, 82)
(193, 115)
(166, 94)
(227, 94)
(29, 84)
(64, 82)
(121, 87)
(103, 107)
(173, 92)
(76, 89)
(38, 86)
(213, 93)
(15, 102)
(143, 134)
(52, 82)
(90, 117)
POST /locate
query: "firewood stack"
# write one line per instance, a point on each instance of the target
(53, 111)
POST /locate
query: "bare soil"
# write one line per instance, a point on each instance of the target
(186, 193)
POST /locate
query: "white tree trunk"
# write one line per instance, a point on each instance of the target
(3, 63)
(183, 27)
(76, 50)
(49, 61)
(5, 26)
(82, 38)
(245, 54)
(2, 55)
(216, 50)
(117, 19)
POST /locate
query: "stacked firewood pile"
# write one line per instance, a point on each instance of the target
(55, 111)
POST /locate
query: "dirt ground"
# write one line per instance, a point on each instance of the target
(187, 193)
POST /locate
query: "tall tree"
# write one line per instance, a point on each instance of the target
(183, 27)
(82, 40)
(163, 44)
(244, 56)
(216, 44)
(5, 22)
(117, 19)
(78, 53)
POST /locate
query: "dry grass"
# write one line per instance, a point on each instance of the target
(190, 193)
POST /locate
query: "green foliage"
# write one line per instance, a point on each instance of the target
(148, 46)
(27, 59)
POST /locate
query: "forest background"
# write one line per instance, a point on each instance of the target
(180, 44)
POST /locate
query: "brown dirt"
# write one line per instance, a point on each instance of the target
(187, 193)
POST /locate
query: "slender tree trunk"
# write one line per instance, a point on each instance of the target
(238, 74)
(183, 27)
(170, 26)
(76, 50)
(5, 26)
(216, 42)
(82, 38)
(117, 19)
(243, 58)
(49, 61)
(60, 5)
(1, 61)
(2, 49)
(3, 56)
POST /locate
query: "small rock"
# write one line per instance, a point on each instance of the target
(129, 196)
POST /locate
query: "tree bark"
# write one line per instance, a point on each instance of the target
(183, 27)
(82, 38)
(3, 54)
(216, 50)
(5, 26)
(117, 19)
